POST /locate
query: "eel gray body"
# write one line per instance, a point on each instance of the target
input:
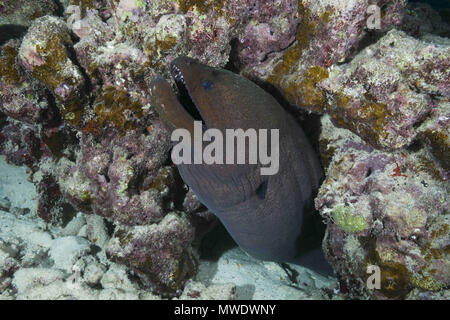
(265, 215)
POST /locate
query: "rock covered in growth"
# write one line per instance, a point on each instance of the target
(99, 86)
(93, 34)
(389, 88)
(202, 219)
(31, 130)
(328, 32)
(159, 253)
(421, 19)
(46, 54)
(39, 261)
(383, 209)
(271, 27)
(435, 132)
(24, 12)
(122, 178)
(203, 30)
(21, 98)
(166, 29)
(50, 200)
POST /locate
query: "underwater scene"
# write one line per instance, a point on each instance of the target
(224, 150)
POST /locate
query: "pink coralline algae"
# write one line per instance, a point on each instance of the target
(159, 254)
(271, 28)
(327, 33)
(389, 210)
(122, 178)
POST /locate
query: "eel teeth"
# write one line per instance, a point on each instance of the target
(177, 74)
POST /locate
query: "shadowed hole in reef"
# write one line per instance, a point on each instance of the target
(68, 213)
(415, 146)
(369, 38)
(87, 88)
(310, 239)
(216, 243)
(109, 227)
(178, 190)
(135, 184)
(59, 8)
(291, 273)
(261, 190)
(11, 31)
(234, 64)
(2, 120)
(422, 119)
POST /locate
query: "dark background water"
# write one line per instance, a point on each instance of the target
(437, 4)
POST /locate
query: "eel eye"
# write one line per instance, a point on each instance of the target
(207, 85)
(261, 190)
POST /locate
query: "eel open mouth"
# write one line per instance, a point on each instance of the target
(184, 96)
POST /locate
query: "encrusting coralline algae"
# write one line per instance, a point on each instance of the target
(75, 110)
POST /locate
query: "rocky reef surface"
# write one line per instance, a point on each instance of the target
(111, 216)
(384, 209)
(73, 261)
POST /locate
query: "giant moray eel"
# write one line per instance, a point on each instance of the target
(265, 214)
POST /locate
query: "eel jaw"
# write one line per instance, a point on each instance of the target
(184, 96)
(168, 106)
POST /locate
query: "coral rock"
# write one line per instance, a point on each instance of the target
(387, 210)
(160, 254)
(23, 12)
(21, 98)
(326, 34)
(121, 177)
(46, 53)
(388, 89)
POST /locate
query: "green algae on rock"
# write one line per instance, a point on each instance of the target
(344, 217)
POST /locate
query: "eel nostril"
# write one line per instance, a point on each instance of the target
(261, 190)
